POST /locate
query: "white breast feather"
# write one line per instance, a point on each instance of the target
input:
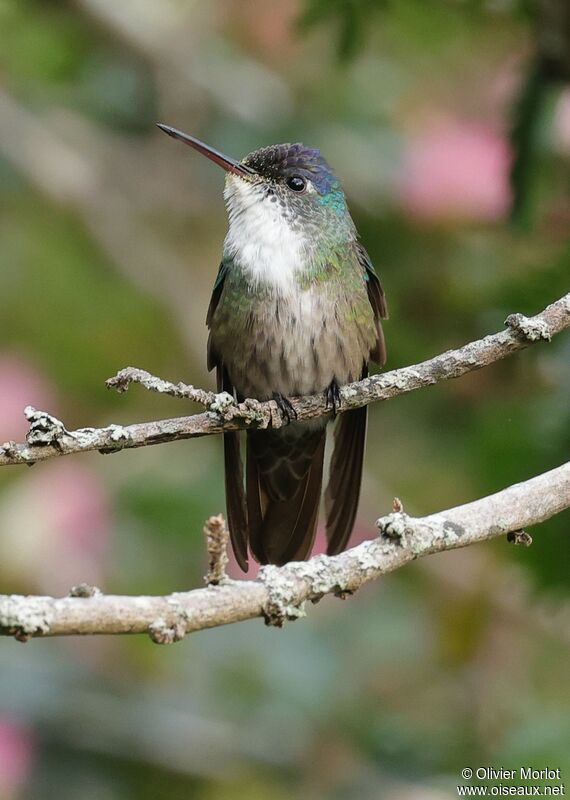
(260, 239)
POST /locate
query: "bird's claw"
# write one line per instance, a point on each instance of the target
(332, 397)
(285, 407)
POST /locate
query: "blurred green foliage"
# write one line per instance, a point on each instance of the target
(351, 16)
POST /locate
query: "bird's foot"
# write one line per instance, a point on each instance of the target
(285, 407)
(332, 397)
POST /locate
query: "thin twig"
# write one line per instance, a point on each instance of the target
(224, 414)
(279, 593)
(123, 379)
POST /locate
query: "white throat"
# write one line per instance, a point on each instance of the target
(260, 239)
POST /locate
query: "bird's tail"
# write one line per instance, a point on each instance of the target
(343, 491)
(283, 486)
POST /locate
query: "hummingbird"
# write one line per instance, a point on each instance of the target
(296, 309)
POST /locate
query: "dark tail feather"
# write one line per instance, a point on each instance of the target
(254, 510)
(235, 496)
(282, 528)
(343, 491)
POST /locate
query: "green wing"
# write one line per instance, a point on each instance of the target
(233, 465)
(377, 300)
(213, 360)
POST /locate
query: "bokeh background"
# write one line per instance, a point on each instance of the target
(449, 123)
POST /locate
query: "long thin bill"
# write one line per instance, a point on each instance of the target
(225, 162)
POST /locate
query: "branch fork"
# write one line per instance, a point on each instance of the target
(220, 405)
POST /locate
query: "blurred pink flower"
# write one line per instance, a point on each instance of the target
(16, 756)
(55, 527)
(458, 170)
(234, 570)
(359, 534)
(20, 385)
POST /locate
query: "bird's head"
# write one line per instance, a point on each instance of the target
(288, 182)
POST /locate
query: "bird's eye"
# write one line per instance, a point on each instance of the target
(296, 183)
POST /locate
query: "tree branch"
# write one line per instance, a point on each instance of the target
(279, 593)
(48, 437)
